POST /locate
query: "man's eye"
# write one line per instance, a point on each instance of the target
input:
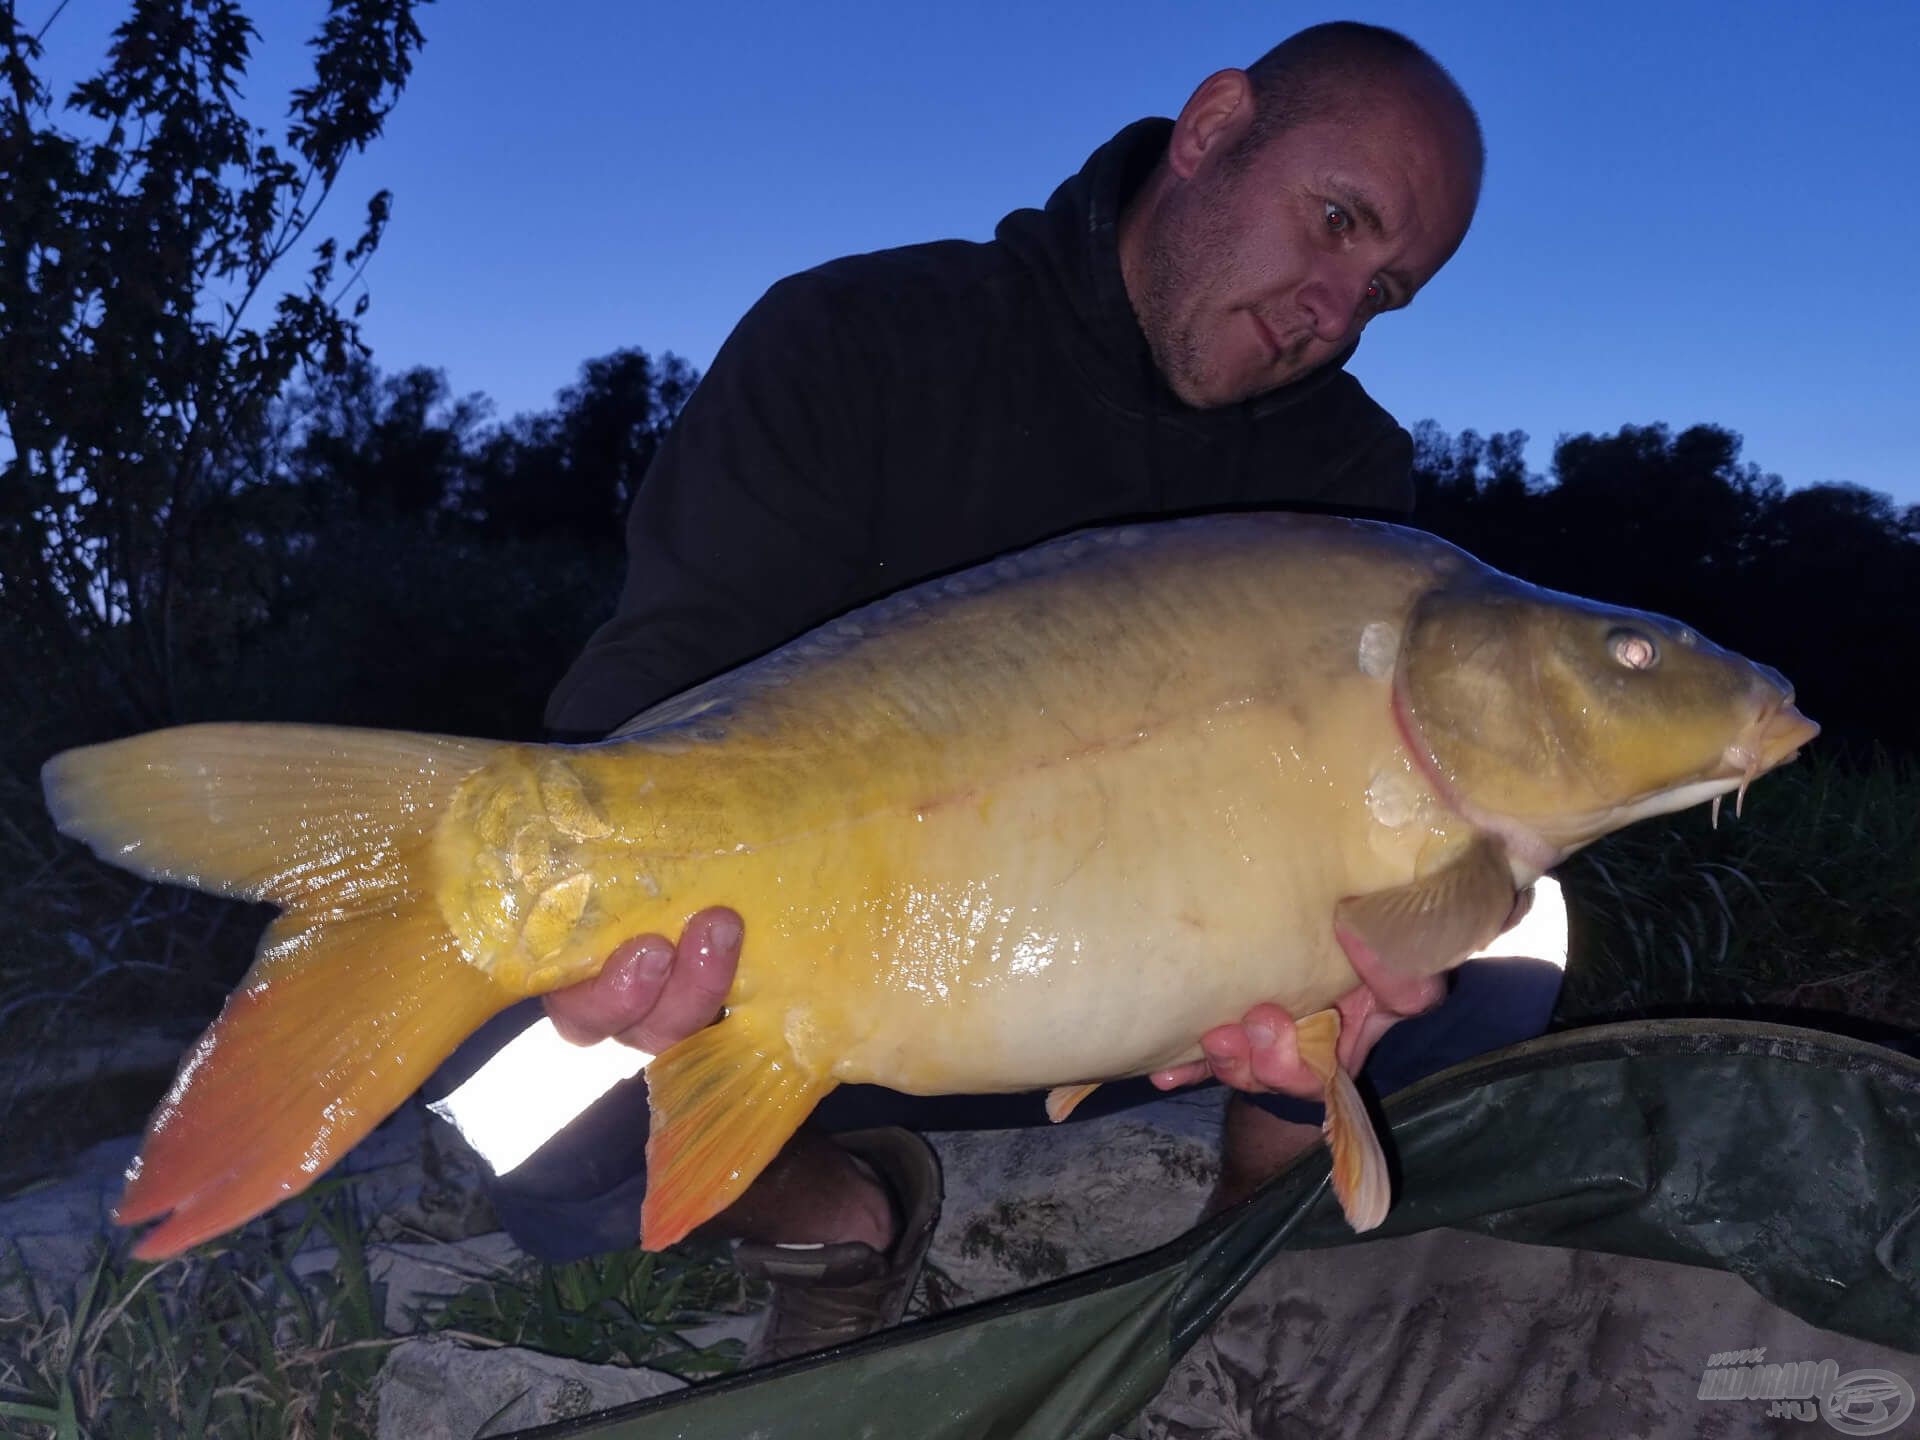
(1376, 296)
(1338, 221)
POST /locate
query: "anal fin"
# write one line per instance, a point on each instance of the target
(1062, 1099)
(1359, 1166)
(724, 1101)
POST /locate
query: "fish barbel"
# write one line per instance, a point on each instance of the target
(1039, 824)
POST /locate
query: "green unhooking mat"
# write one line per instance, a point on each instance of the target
(1788, 1157)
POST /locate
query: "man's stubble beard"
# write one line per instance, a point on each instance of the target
(1171, 287)
(1174, 280)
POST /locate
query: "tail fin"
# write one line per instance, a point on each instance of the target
(358, 990)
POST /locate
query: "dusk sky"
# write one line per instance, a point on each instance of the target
(1693, 212)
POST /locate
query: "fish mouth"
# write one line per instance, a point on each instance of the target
(1774, 739)
(1783, 733)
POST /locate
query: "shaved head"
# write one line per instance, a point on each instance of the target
(1297, 200)
(1323, 72)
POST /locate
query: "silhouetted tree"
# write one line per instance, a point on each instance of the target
(388, 584)
(1662, 521)
(135, 251)
(1477, 492)
(574, 470)
(386, 445)
(1840, 567)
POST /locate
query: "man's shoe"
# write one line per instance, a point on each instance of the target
(830, 1294)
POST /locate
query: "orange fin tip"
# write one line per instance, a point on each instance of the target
(724, 1102)
(1360, 1177)
(1063, 1099)
(357, 991)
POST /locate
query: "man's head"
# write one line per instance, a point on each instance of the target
(1298, 199)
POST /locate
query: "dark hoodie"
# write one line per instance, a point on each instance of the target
(888, 417)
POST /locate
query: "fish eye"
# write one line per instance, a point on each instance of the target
(1633, 649)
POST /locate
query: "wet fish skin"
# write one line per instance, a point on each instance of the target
(1036, 825)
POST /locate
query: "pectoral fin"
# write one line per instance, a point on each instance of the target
(1359, 1166)
(1421, 929)
(1062, 1098)
(724, 1102)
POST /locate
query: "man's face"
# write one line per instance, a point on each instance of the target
(1263, 264)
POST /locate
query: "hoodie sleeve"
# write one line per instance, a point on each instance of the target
(753, 523)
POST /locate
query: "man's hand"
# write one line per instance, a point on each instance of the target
(653, 994)
(1261, 1054)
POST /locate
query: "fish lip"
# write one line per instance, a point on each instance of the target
(1775, 736)
(1770, 741)
(1783, 733)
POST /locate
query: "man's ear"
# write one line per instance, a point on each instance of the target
(1215, 116)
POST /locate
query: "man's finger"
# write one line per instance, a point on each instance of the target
(696, 985)
(1363, 1020)
(1273, 1057)
(626, 989)
(1359, 1027)
(1366, 1036)
(1522, 906)
(1226, 1048)
(1191, 1073)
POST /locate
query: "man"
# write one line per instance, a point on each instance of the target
(1167, 335)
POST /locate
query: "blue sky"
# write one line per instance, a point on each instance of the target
(1693, 212)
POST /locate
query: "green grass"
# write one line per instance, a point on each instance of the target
(623, 1308)
(226, 1343)
(231, 1344)
(1809, 901)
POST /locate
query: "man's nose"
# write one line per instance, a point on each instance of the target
(1332, 304)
